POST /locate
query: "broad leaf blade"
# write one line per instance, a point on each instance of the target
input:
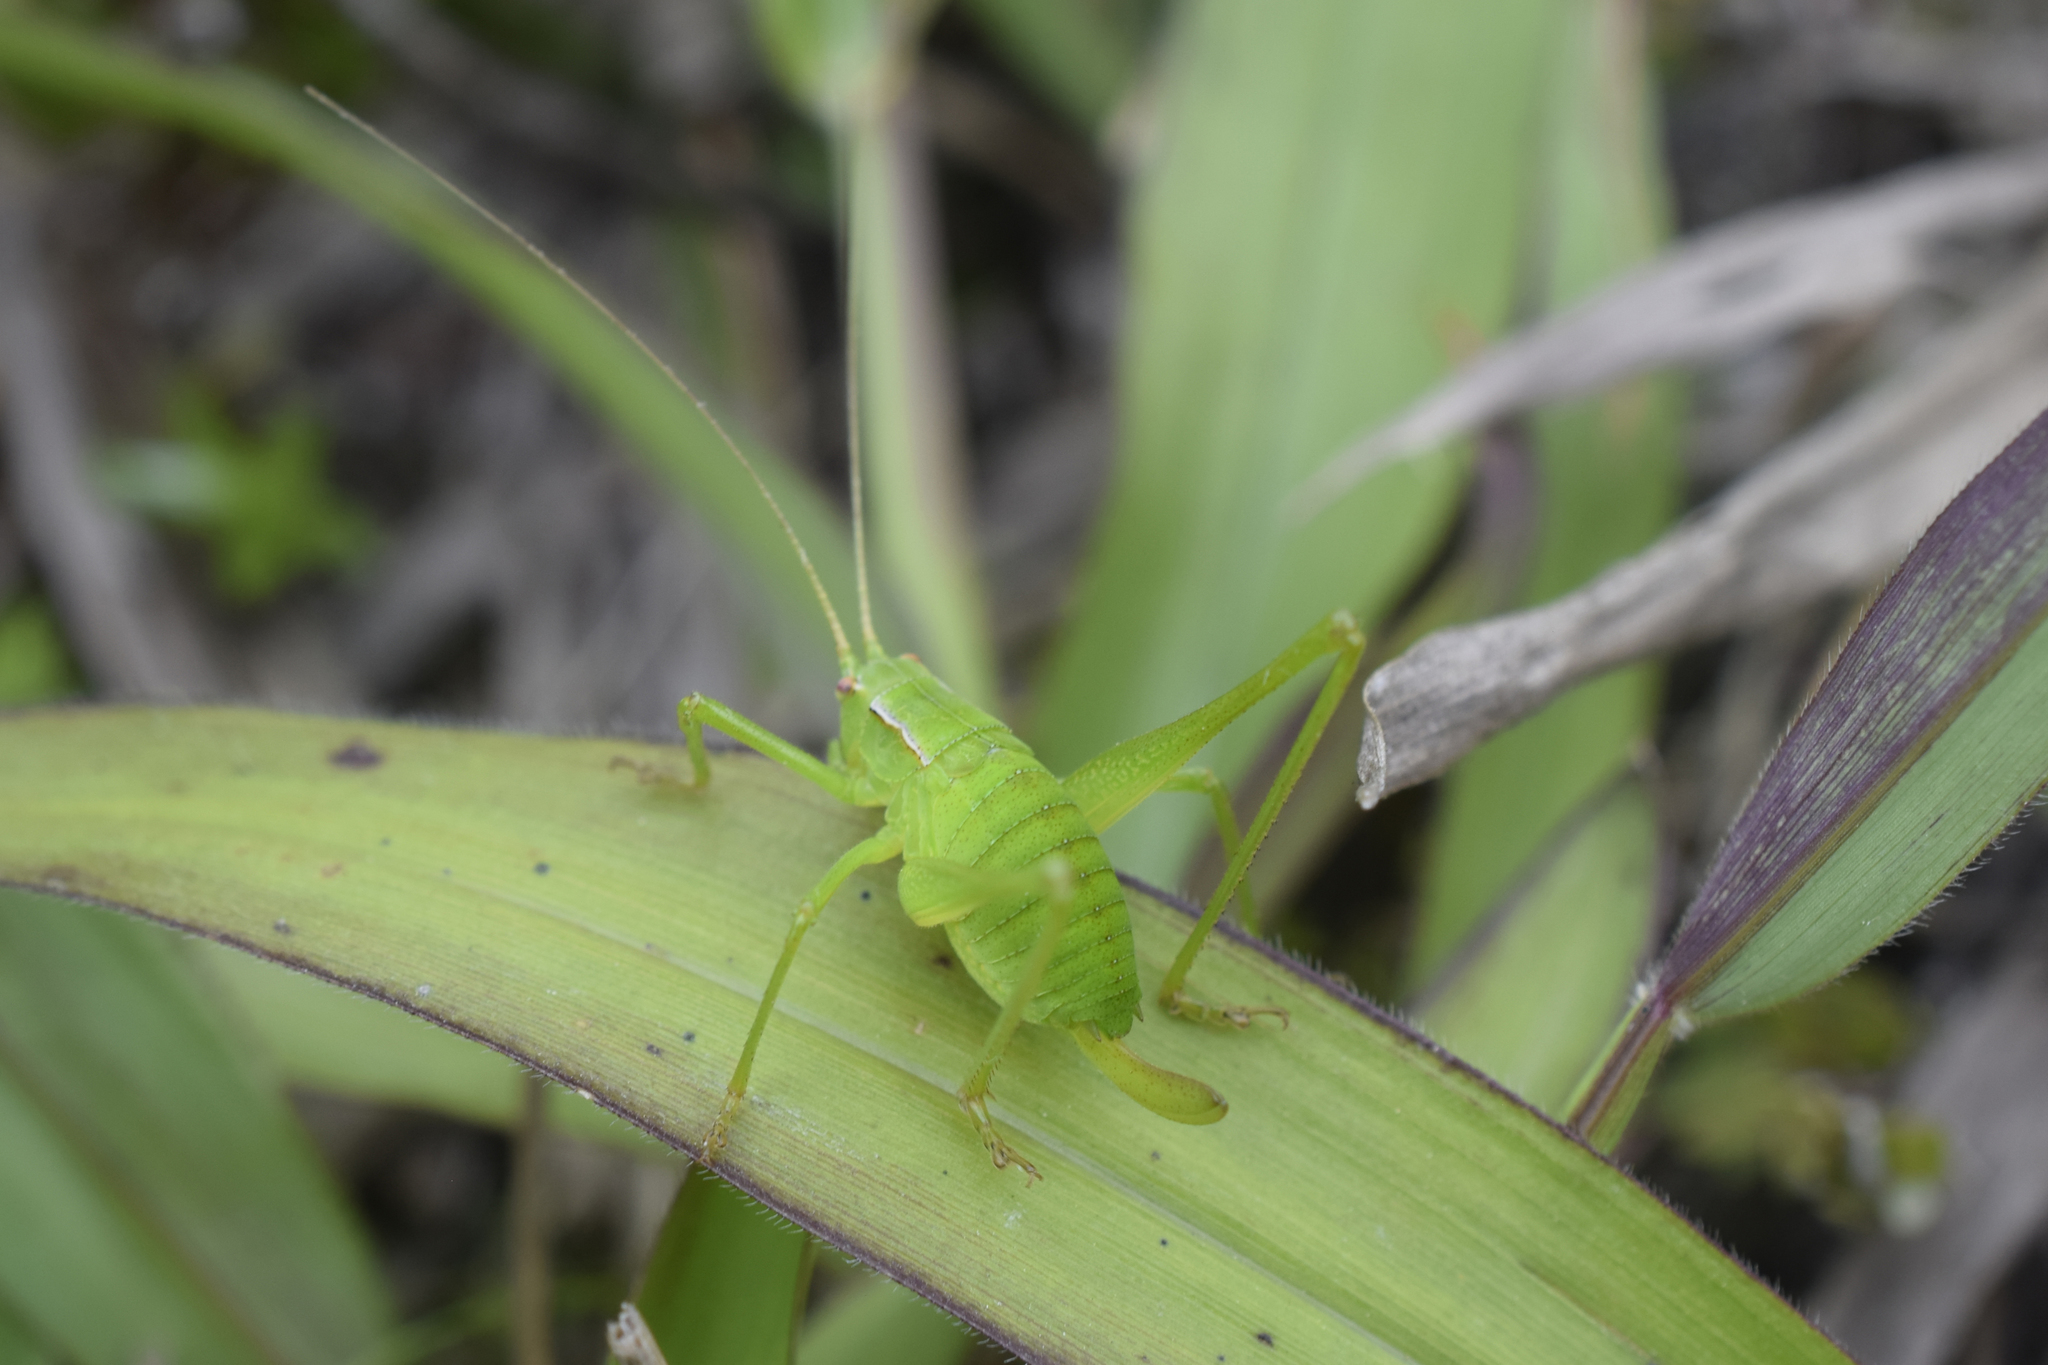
(1335, 201)
(588, 350)
(324, 1038)
(1927, 737)
(155, 1190)
(1366, 1199)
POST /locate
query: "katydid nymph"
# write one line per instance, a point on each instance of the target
(994, 847)
(1006, 856)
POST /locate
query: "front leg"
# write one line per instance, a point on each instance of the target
(694, 710)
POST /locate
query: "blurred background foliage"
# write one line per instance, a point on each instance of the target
(1130, 271)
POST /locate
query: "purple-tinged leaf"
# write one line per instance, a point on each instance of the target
(1927, 737)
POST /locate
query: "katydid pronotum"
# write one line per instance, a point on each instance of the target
(994, 847)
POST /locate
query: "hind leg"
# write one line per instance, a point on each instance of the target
(1108, 786)
(937, 890)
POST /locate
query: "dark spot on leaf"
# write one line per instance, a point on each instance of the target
(1155, 1156)
(689, 1037)
(1266, 1337)
(541, 868)
(386, 842)
(445, 872)
(867, 895)
(281, 926)
(942, 960)
(653, 1050)
(355, 754)
(331, 870)
(1162, 1241)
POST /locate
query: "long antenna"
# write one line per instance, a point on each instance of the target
(860, 514)
(839, 641)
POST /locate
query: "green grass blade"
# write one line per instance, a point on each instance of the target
(155, 1191)
(1609, 479)
(256, 116)
(727, 1280)
(1335, 203)
(1540, 988)
(880, 1322)
(1927, 737)
(1366, 1199)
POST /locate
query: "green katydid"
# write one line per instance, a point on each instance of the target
(1004, 854)
(994, 847)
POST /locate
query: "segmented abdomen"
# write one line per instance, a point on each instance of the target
(1013, 812)
(978, 795)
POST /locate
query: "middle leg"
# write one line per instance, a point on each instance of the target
(877, 848)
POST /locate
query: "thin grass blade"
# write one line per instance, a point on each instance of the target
(880, 1322)
(1927, 737)
(851, 64)
(727, 1280)
(1540, 987)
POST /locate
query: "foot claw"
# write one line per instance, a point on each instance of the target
(650, 774)
(999, 1151)
(1187, 1007)
(714, 1141)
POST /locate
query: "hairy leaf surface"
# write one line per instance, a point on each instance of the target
(1368, 1198)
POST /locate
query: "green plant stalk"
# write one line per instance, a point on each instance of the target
(1534, 995)
(880, 1320)
(909, 414)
